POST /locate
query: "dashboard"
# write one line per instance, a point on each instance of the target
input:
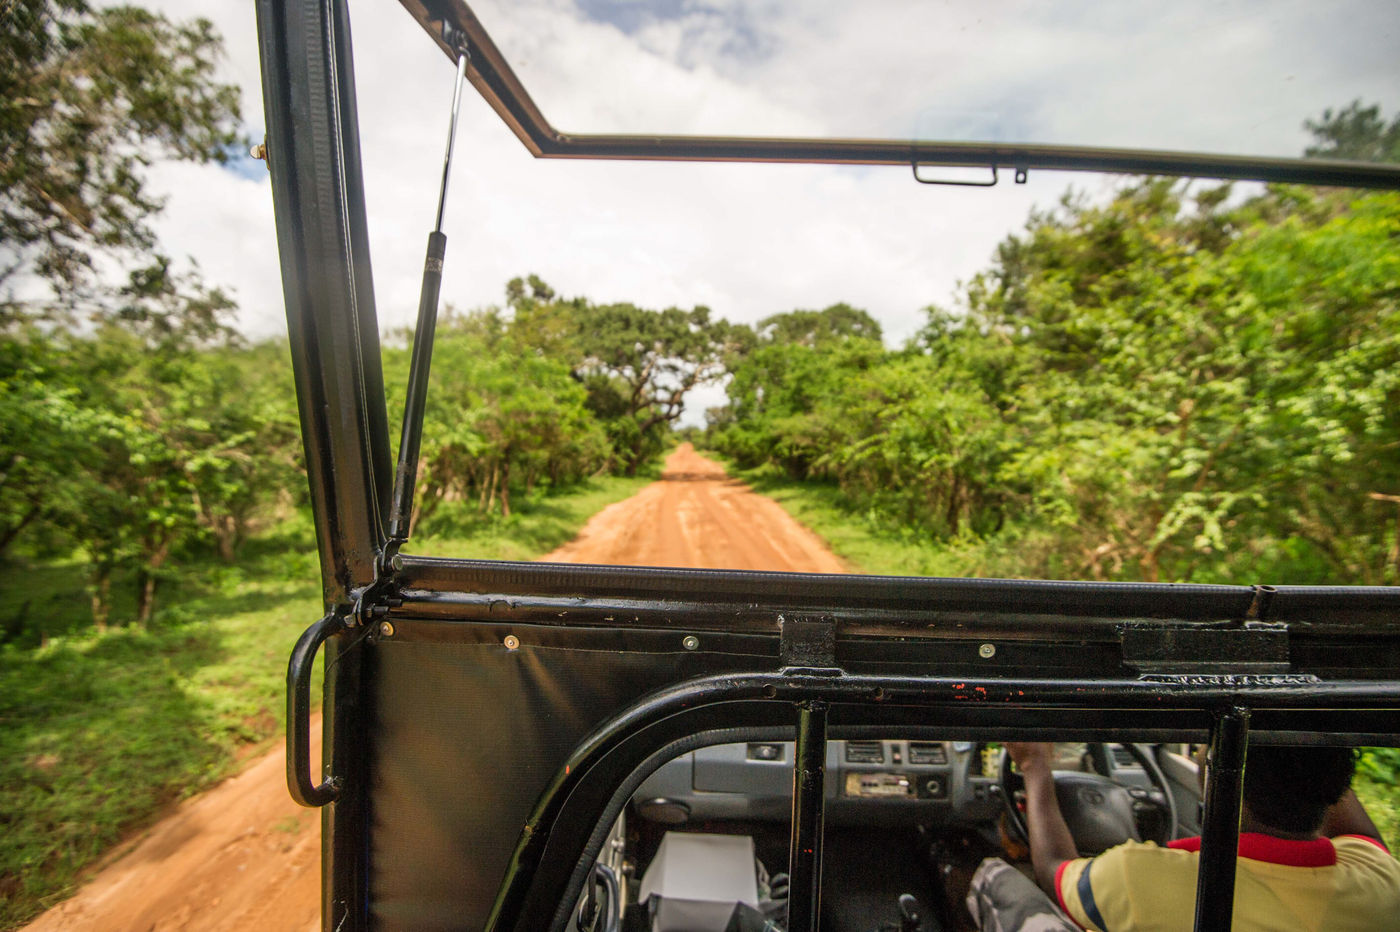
(867, 781)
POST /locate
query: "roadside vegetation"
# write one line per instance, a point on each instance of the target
(1172, 386)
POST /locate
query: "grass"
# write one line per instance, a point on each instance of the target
(536, 526)
(101, 732)
(867, 544)
(871, 547)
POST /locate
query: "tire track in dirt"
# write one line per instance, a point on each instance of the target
(244, 858)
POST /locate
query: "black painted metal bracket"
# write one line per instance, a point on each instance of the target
(1252, 648)
(808, 643)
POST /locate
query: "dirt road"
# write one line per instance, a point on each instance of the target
(696, 517)
(244, 857)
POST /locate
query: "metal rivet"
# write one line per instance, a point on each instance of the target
(690, 642)
(397, 562)
(386, 629)
(511, 642)
(987, 651)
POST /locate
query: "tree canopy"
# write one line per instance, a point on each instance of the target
(117, 434)
(89, 98)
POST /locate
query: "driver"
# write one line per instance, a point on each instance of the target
(1309, 858)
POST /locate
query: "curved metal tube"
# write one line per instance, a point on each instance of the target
(299, 716)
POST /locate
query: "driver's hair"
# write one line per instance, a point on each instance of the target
(1291, 787)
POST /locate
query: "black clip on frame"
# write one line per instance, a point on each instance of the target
(1020, 178)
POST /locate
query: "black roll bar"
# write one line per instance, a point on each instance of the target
(1220, 828)
(555, 832)
(808, 809)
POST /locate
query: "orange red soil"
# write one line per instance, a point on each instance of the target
(243, 856)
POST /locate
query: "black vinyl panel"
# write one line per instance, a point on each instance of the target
(470, 737)
(467, 736)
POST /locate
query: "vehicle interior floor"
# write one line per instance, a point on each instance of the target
(864, 872)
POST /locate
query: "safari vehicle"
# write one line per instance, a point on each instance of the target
(514, 746)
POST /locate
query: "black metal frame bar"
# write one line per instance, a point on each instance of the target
(808, 810)
(313, 156)
(498, 84)
(1048, 635)
(1220, 822)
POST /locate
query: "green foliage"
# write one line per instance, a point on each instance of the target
(810, 328)
(88, 98)
(638, 365)
(1356, 132)
(500, 418)
(1381, 765)
(132, 450)
(1161, 387)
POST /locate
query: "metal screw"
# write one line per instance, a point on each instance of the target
(397, 562)
(259, 152)
(386, 629)
(690, 642)
(987, 651)
(512, 642)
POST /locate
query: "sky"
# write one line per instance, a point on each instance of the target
(753, 240)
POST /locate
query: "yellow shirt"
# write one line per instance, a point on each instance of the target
(1344, 884)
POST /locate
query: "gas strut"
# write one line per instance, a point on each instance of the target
(406, 475)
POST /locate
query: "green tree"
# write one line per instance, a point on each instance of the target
(813, 327)
(44, 435)
(638, 365)
(1355, 132)
(88, 99)
(500, 416)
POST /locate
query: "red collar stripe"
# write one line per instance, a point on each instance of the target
(1315, 852)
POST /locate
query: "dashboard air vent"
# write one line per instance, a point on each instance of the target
(865, 752)
(927, 752)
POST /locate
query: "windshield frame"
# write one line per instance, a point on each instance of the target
(452, 24)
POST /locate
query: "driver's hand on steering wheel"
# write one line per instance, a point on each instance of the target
(1031, 756)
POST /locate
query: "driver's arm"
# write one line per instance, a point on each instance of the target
(1051, 842)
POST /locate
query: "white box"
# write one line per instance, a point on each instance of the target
(699, 878)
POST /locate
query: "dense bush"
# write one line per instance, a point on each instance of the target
(1160, 387)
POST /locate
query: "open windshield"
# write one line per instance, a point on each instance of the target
(1102, 377)
(1197, 76)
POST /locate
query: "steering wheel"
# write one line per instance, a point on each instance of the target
(1100, 812)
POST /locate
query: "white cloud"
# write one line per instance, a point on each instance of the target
(747, 240)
